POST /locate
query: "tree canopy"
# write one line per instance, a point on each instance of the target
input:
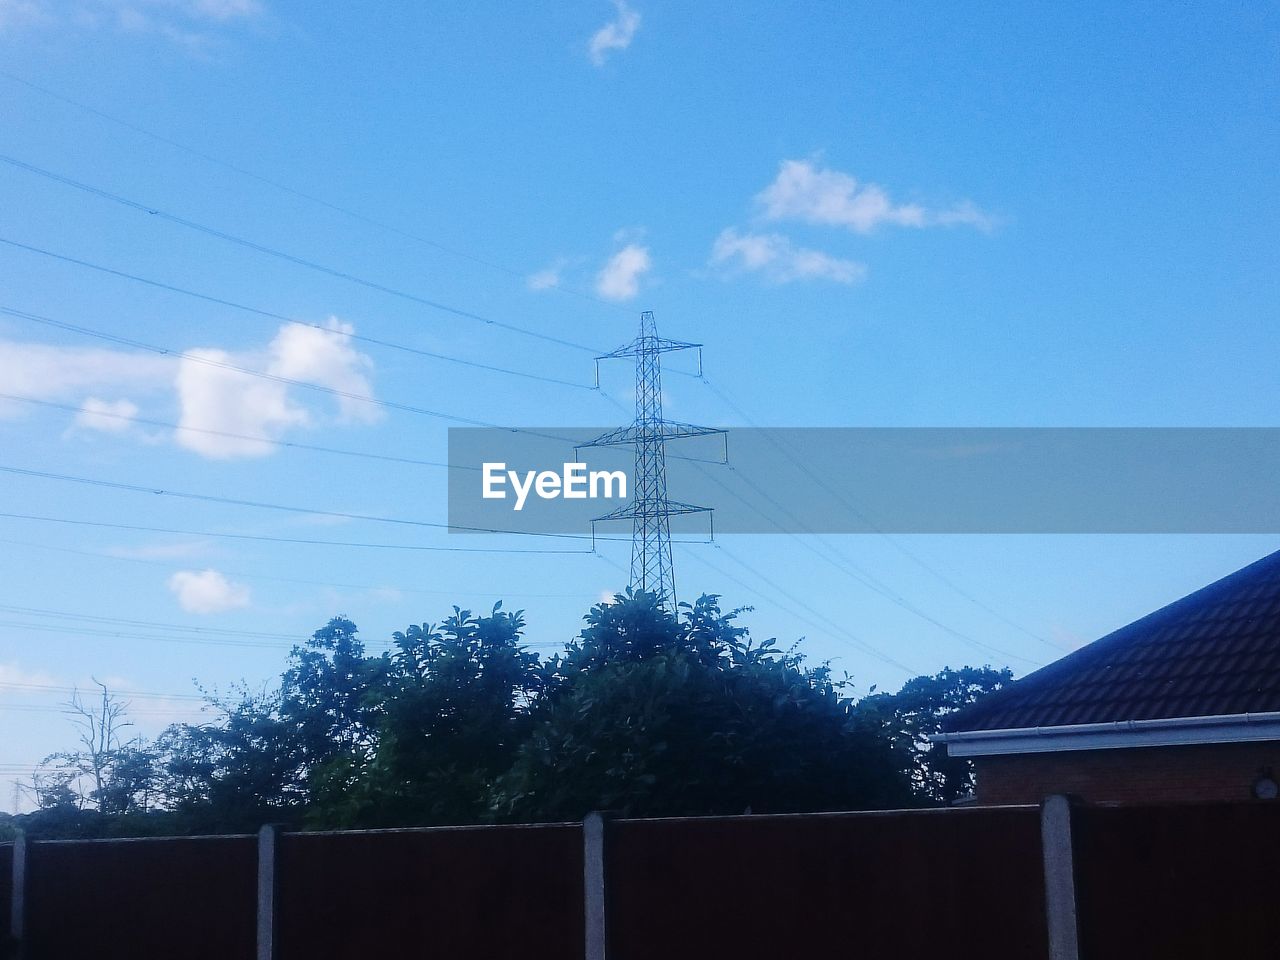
(645, 712)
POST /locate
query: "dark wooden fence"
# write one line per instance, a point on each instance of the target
(940, 883)
(1186, 881)
(6, 889)
(466, 892)
(1170, 882)
(181, 897)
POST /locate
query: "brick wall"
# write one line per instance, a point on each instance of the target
(1199, 773)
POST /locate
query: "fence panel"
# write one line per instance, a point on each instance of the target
(483, 893)
(6, 889)
(1178, 881)
(181, 898)
(1152, 882)
(922, 884)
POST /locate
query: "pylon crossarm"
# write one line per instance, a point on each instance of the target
(651, 345)
(667, 346)
(675, 508)
(623, 512)
(618, 437)
(640, 432)
(674, 430)
(670, 508)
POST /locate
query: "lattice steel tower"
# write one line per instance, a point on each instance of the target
(650, 510)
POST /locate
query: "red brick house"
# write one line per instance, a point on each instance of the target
(1182, 705)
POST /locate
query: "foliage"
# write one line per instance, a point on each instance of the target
(455, 710)
(105, 772)
(657, 716)
(331, 699)
(644, 713)
(909, 717)
(234, 774)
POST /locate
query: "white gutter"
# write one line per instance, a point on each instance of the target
(1175, 731)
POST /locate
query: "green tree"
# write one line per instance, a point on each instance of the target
(332, 700)
(236, 772)
(909, 717)
(645, 713)
(288, 753)
(653, 715)
(456, 709)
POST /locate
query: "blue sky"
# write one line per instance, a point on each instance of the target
(871, 214)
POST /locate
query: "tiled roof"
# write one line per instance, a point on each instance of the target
(1214, 652)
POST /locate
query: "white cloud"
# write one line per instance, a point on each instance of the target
(811, 194)
(207, 591)
(966, 213)
(547, 278)
(779, 260)
(227, 401)
(47, 372)
(223, 401)
(617, 34)
(619, 279)
(13, 673)
(106, 415)
(326, 357)
(211, 398)
(187, 22)
(544, 279)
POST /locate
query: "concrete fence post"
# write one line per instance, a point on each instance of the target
(268, 858)
(1059, 878)
(18, 895)
(593, 887)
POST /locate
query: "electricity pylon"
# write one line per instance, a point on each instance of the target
(650, 510)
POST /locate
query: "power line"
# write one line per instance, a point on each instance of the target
(262, 375)
(149, 624)
(831, 629)
(287, 508)
(798, 461)
(839, 496)
(870, 583)
(67, 712)
(289, 257)
(210, 231)
(54, 688)
(293, 191)
(852, 570)
(272, 315)
(263, 538)
(857, 641)
(242, 575)
(79, 630)
(214, 635)
(753, 591)
(238, 436)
